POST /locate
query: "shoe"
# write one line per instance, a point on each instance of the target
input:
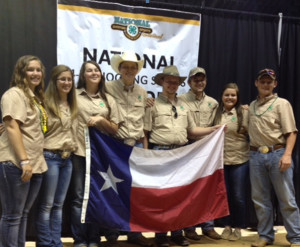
(162, 241)
(226, 233)
(93, 245)
(212, 234)
(236, 235)
(192, 234)
(112, 243)
(180, 240)
(80, 245)
(140, 240)
(261, 243)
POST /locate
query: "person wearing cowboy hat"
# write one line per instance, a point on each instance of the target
(168, 124)
(203, 109)
(273, 133)
(131, 99)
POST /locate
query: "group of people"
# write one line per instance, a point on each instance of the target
(42, 146)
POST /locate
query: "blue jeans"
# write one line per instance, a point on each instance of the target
(205, 226)
(83, 233)
(265, 175)
(51, 200)
(16, 199)
(237, 182)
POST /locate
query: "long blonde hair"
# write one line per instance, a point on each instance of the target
(19, 78)
(52, 96)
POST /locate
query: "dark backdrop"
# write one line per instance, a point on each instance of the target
(238, 38)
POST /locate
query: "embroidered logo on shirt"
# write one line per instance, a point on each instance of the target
(233, 119)
(139, 98)
(181, 107)
(102, 104)
(209, 104)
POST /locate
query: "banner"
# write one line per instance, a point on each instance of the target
(89, 30)
(135, 189)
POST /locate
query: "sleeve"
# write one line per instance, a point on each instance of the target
(115, 114)
(14, 105)
(286, 116)
(191, 122)
(148, 119)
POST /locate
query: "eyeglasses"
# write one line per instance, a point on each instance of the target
(175, 111)
(63, 79)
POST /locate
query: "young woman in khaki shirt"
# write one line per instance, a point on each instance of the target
(236, 159)
(60, 143)
(96, 109)
(21, 148)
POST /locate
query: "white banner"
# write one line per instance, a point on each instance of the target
(89, 30)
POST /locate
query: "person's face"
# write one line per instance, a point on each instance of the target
(128, 71)
(198, 83)
(34, 74)
(64, 83)
(92, 74)
(229, 98)
(265, 86)
(170, 84)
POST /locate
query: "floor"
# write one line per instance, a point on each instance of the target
(248, 237)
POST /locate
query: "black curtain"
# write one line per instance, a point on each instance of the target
(28, 27)
(234, 46)
(289, 81)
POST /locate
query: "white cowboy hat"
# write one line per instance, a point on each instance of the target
(127, 56)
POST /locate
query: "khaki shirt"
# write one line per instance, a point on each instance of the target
(88, 107)
(61, 132)
(203, 110)
(269, 120)
(15, 104)
(236, 145)
(165, 128)
(132, 105)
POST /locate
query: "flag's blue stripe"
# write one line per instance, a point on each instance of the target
(109, 208)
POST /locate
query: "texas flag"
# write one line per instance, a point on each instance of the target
(134, 189)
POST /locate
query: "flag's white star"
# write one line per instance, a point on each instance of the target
(109, 180)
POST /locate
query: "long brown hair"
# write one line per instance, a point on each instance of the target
(237, 106)
(19, 78)
(82, 83)
(52, 95)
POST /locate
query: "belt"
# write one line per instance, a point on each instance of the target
(173, 146)
(267, 149)
(64, 154)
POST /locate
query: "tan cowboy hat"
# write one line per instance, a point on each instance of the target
(127, 56)
(169, 70)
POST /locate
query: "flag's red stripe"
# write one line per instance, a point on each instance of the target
(160, 210)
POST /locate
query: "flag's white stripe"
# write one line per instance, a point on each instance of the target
(87, 174)
(177, 167)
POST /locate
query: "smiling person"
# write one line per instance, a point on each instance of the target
(236, 159)
(273, 133)
(131, 99)
(203, 109)
(96, 109)
(168, 124)
(21, 148)
(60, 143)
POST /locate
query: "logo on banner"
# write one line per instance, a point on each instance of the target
(132, 28)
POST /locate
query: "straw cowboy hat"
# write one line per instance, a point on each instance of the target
(169, 70)
(127, 56)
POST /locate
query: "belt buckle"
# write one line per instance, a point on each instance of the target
(65, 154)
(263, 149)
